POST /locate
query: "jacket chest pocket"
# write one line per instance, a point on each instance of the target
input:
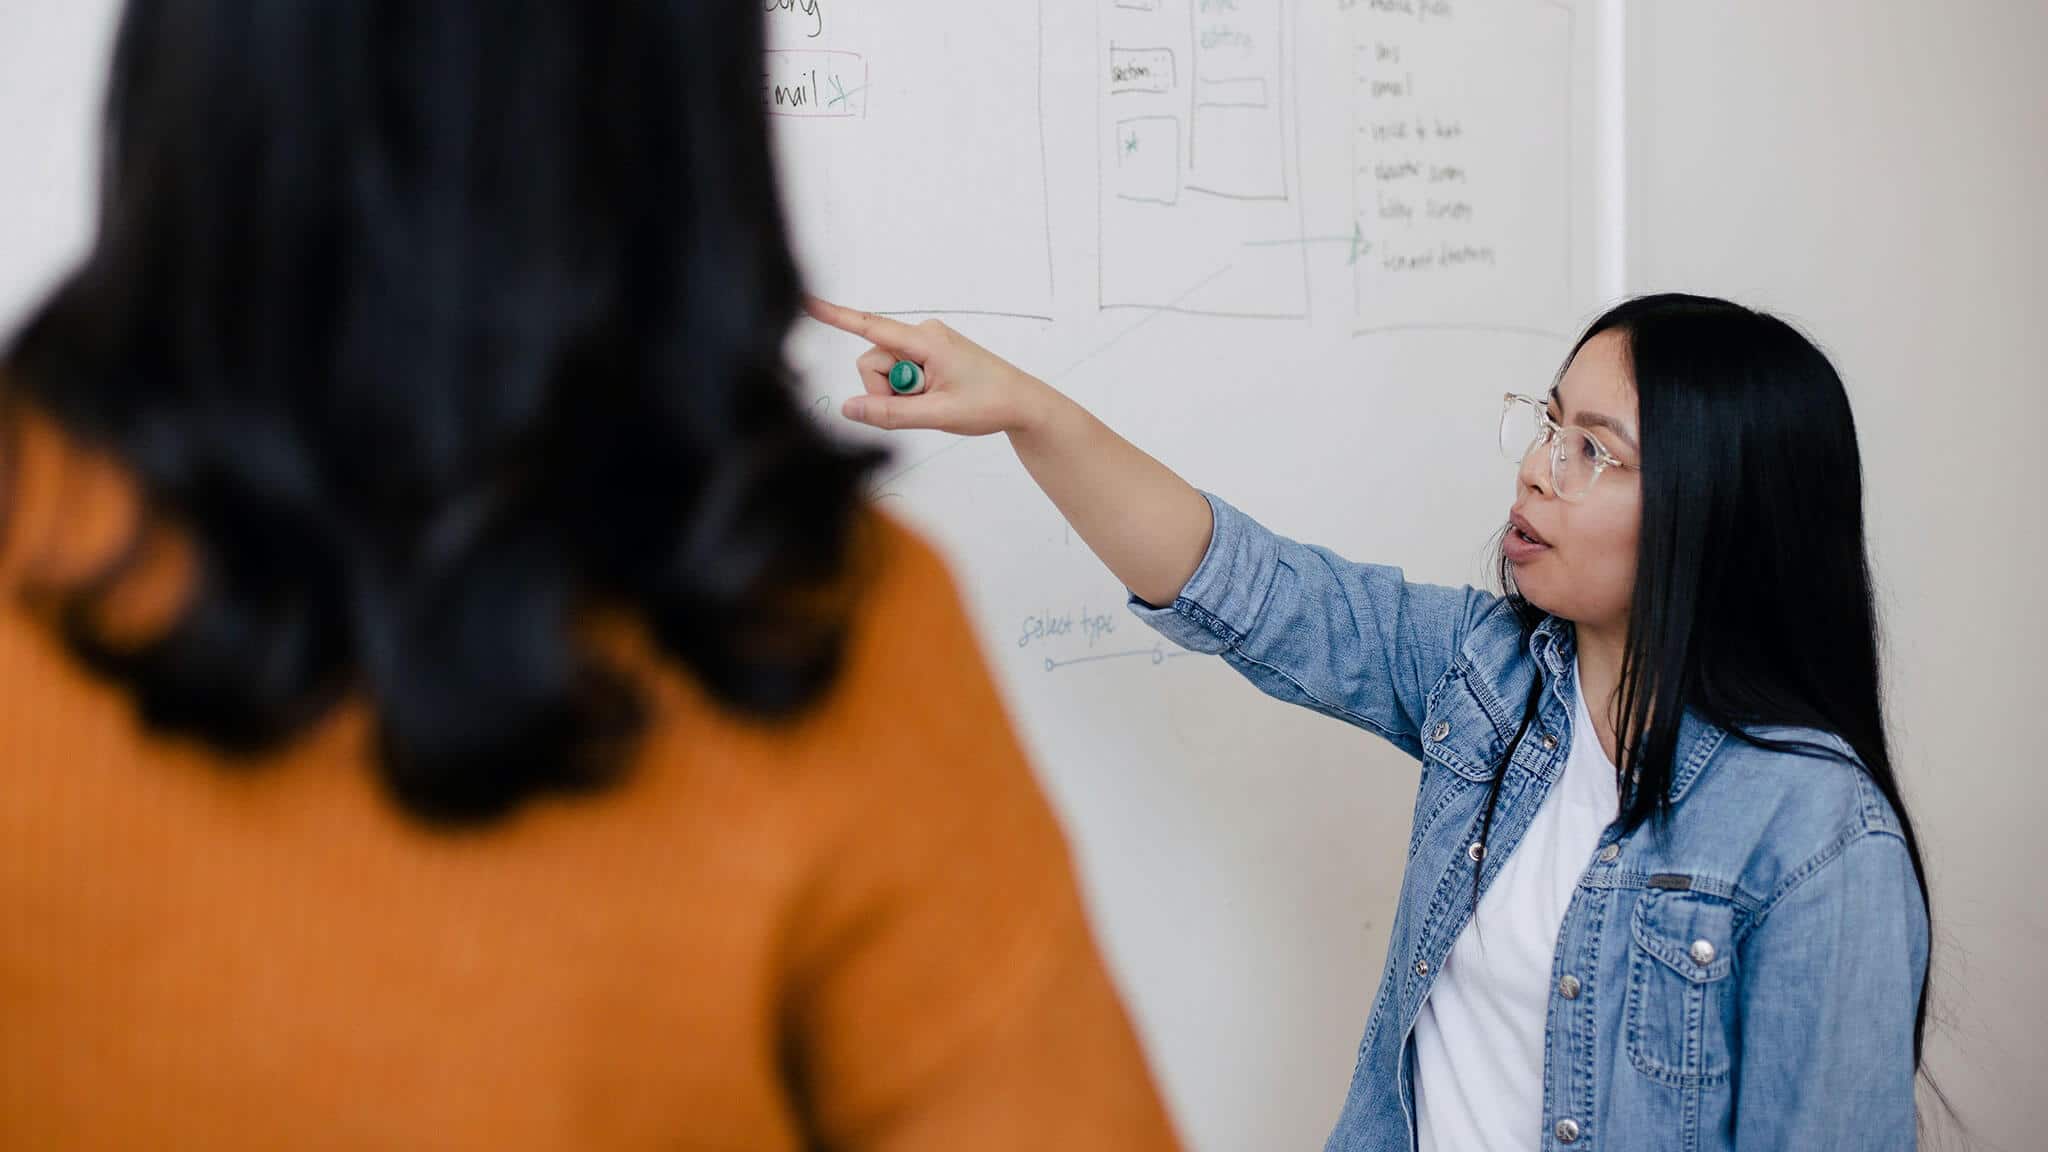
(1456, 733)
(1680, 1006)
(1460, 753)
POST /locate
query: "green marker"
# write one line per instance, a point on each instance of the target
(906, 378)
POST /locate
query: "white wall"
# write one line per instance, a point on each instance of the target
(52, 65)
(1878, 172)
(1874, 169)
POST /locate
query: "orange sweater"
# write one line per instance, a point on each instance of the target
(858, 931)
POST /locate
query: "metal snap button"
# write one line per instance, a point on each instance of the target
(1567, 1131)
(1609, 852)
(1443, 729)
(1568, 987)
(1476, 852)
(1702, 953)
(1422, 967)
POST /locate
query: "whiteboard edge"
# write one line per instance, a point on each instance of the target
(1611, 99)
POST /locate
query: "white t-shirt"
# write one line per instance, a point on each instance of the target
(1479, 1038)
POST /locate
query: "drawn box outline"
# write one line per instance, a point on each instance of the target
(1282, 9)
(1172, 70)
(1178, 171)
(767, 75)
(1289, 95)
(1206, 87)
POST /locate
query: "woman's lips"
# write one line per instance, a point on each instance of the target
(1522, 543)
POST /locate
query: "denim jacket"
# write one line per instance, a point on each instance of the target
(1743, 975)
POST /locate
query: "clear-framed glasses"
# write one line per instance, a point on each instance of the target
(1576, 458)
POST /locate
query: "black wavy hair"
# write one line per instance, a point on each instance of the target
(1753, 604)
(436, 326)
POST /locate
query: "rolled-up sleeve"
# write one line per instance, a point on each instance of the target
(1355, 641)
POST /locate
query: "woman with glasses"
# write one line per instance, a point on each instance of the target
(1662, 891)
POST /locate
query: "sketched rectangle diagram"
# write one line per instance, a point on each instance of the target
(1141, 69)
(1148, 159)
(1240, 92)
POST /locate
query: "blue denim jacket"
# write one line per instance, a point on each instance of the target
(1744, 975)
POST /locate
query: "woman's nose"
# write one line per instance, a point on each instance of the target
(1535, 471)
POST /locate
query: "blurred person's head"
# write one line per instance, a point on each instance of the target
(429, 329)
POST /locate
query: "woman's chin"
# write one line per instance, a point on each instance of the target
(1531, 587)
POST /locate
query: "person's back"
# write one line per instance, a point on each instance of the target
(427, 719)
(858, 929)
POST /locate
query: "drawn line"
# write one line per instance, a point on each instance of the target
(1217, 313)
(1106, 345)
(1194, 50)
(1289, 241)
(1351, 141)
(1099, 127)
(1044, 171)
(1280, 199)
(1506, 329)
(877, 493)
(1611, 152)
(1572, 157)
(844, 97)
(1157, 652)
(964, 312)
(1288, 41)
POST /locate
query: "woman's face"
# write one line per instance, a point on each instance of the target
(1577, 560)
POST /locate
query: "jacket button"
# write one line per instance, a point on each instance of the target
(1549, 742)
(1567, 1131)
(1443, 729)
(1476, 852)
(1422, 967)
(1609, 852)
(1702, 953)
(1568, 987)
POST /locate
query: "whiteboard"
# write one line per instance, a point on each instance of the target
(1296, 250)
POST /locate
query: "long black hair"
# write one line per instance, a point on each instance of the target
(1753, 605)
(438, 327)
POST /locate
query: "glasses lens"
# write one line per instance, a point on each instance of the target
(1517, 429)
(1575, 461)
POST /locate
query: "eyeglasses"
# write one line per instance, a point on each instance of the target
(1576, 458)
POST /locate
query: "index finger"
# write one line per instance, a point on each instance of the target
(904, 339)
